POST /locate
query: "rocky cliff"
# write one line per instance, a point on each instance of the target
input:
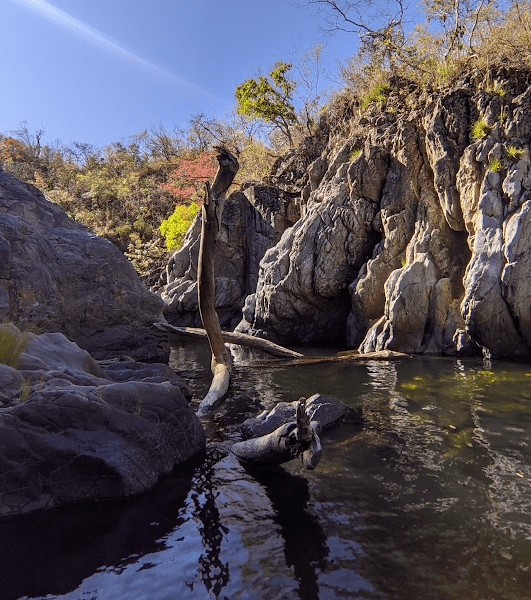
(57, 275)
(414, 232)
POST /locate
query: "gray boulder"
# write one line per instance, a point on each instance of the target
(56, 275)
(325, 410)
(72, 430)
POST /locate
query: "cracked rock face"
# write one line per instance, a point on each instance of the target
(58, 275)
(427, 229)
(413, 236)
(71, 430)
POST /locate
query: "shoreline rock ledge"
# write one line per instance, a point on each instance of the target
(72, 430)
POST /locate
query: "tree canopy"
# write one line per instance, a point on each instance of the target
(270, 98)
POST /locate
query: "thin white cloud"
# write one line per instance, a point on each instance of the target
(82, 30)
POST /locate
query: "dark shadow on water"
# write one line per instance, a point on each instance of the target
(305, 542)
(51, 552)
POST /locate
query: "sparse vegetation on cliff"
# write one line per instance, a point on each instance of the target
(127, 190)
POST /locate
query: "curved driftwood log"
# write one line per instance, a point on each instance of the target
(298, 438)
(206, 289)
(232, 337)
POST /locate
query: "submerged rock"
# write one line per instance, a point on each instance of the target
(325, 410)
(72, 430)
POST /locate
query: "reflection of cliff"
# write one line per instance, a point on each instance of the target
(459, 417)
(433, 494)
(507, 470)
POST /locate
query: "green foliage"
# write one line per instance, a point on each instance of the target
(378, 93)
(354, 154)
(11, 347)
(497, 90)
(495, 165)
(270, 98)
(457, 38)
(125, 191)
(514, 152)
(174, 228)
(479, 129)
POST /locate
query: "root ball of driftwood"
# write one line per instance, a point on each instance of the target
(297, 438)
(275, 448)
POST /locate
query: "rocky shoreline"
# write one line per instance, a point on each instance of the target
(72, 430)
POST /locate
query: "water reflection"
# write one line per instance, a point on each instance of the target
(426, 496)
(52, 552)
(213, 570)
(305, 546)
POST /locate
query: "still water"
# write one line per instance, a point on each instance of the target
(423, 492)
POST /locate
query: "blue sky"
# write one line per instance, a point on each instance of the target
(98, 71)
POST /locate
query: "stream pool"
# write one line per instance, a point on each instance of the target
(423, 493)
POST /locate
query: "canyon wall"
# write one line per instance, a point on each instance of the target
(414, 228)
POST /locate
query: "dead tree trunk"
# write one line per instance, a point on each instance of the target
(206, 289)
(232, 337)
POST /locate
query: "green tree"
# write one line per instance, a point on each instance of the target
(270, 98)
(174, 228)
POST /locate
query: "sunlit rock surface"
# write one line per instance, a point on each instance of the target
(414, 236)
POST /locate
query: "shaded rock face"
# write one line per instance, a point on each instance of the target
(414, 237)
(57, 275)
(71, 430)
(251, 222)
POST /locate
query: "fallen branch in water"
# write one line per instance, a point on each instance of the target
(206, 289)
(241, 339)
(297, 438)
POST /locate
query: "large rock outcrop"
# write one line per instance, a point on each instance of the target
(426, 227)
(251, 222)
(71, 430)
(58, 276)
(414, 233)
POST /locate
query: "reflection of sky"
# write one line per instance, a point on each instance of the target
(153, 576)
(431, 494)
